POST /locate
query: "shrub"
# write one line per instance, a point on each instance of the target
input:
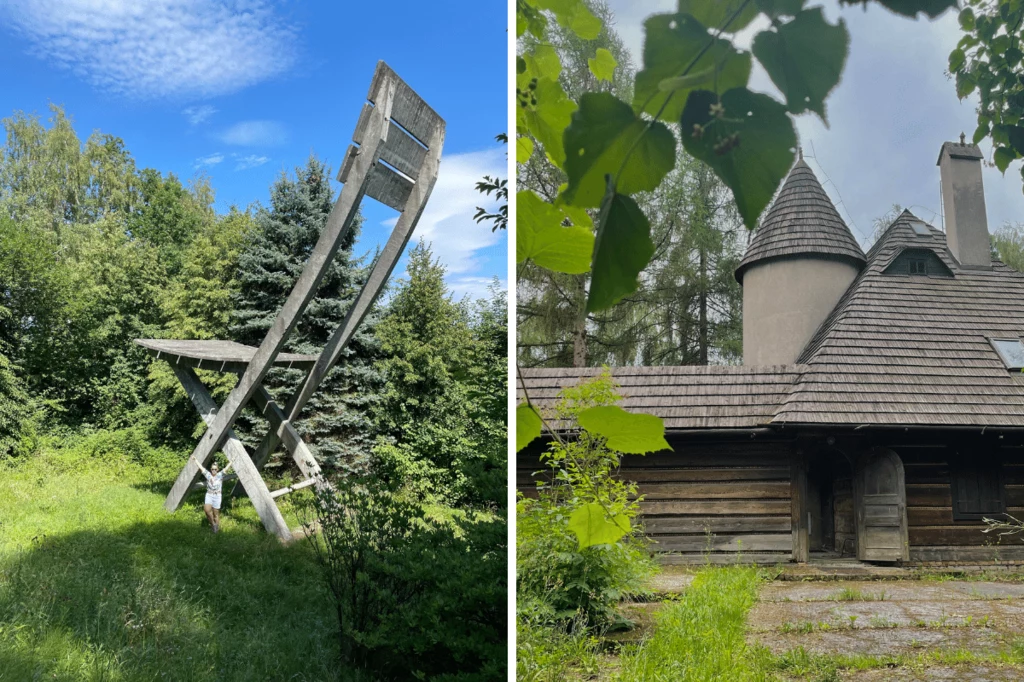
(550, 566)
(415, 599)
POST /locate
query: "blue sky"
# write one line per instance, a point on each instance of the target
(242, 90)
(888, 117)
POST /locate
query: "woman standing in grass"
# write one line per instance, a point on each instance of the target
(214, 482)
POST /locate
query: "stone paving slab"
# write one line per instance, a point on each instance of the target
(977, 672)
(902, 590)
(1003, 615)
(883, 641)
(667, 582)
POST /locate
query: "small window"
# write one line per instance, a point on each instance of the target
(920, 228)
(917, 266)
(977, 489)
(1011, 352)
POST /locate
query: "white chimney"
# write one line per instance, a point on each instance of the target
(963, 201)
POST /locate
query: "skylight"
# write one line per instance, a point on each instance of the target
(920, 228)
(1011, 351)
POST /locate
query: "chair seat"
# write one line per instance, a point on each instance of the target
(214, 354)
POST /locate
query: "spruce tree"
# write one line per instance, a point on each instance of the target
(335, 423)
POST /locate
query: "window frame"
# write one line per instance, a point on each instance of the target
(921, 262)
(975, 464)
(1010, 366)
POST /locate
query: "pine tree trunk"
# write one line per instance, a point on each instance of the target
(702, 323)
(579, 335)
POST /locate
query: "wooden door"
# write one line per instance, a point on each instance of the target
(880, 501)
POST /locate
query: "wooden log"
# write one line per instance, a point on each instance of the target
(967, 555)
(719, 474)
(929, 495)
(716, 524)
(719, 558)
(753, 542)
(799, 540)
(741, 490)
(712, 507)
(956, 535)
(248, 474)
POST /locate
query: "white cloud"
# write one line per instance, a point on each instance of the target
(211, 160)
(255, 134)
(158, 48)
(197, 115)
(447, 222)
(474, 287)
(251, 161)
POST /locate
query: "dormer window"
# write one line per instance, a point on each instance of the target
(917, 266)
(920, 228)
(918, 261)
(1011, 352)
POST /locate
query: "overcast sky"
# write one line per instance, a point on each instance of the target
(888, 117)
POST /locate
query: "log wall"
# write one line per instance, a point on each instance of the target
(721, 502)
(934, 536)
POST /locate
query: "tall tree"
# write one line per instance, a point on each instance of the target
(335, 422)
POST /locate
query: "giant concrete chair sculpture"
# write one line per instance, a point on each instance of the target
(394, 159)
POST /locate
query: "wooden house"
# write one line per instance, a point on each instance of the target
(880, 410)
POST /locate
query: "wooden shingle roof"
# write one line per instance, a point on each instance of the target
(689, 397)
(898, 349)
(909, 349)
(801, 221)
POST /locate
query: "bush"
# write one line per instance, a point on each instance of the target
(415, 599)
(550, 566)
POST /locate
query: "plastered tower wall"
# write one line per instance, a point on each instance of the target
(784, 303)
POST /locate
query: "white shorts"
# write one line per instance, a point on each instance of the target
(213, 499)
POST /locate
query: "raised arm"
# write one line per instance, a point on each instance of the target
(201, 467)
(226, 469)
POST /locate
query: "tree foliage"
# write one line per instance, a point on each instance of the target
(988, 60)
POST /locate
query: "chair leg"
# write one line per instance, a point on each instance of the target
(248, 475)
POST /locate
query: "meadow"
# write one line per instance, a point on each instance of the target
(98, 582)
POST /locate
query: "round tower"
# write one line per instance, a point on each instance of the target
(797, 267)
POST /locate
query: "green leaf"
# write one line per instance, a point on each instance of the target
(545, 62)
(625, 432)
(715, 14)
(529, 19)
(966, 19)
(602, 65)
(603, 131)
(965, 84)
(780, 8)
(591, 525)
(805, 59)
(981, 132)
(1003, 157)
(956, 59)
(671, 44)
(546, 120)
(762, 143)
(528, 425)
(909, 8)
(573, 15)
(541, 238)
(623, 248)
(524, 149)
(1015, 135)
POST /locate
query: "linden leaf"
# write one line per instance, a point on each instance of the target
(750, 147)
(541, 238)
(573, 15)
(603, 131)
(1003, 157)
(956, 59)
(524, 149)
(715, 14)
(626, 432)
(545, 62)
(592, 526)
(909, 8)
(671, 44)
(528, 425)
(805, 59)
(622, 249)
(602, 65)
(547, 119)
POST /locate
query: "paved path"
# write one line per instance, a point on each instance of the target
(895, 618)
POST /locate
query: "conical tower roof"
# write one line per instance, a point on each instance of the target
(802, 222)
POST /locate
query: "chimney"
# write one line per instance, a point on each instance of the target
(963, 201)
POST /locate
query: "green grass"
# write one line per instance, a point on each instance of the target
(98, 582)
(699, 637)
(853, 594)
